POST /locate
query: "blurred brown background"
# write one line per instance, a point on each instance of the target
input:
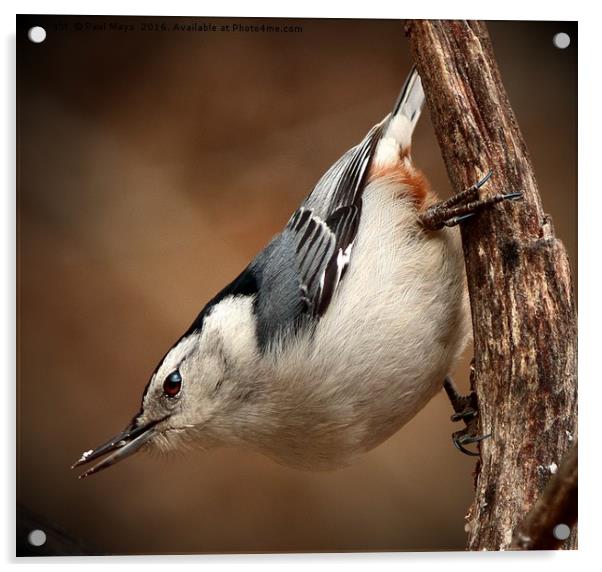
(152, 166)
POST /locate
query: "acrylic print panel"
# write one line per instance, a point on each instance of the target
(156, 158)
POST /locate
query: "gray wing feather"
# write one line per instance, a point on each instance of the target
(279, 301)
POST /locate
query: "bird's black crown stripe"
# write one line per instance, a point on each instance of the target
(245, 284)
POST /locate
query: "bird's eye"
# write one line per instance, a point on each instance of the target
(172, 384)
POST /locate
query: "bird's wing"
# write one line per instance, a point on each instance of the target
(302, 267)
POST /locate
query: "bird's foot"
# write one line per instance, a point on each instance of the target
(465, 409)
(462, 206)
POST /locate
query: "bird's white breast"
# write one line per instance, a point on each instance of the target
(393, 330)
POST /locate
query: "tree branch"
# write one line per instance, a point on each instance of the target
(557, 504)
(518, 279)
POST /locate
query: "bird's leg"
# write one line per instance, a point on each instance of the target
(465, 409)
(461, 206)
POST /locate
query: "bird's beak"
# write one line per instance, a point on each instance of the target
(121, 446)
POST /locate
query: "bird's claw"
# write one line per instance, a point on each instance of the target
(465, 409)
(463, 206)
(461, 438)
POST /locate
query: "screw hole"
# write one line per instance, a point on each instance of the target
(36, 537)
(561, 40)
(37, 34)
(561, 531)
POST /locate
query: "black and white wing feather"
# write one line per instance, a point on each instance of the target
(302, 267)
(324, 227)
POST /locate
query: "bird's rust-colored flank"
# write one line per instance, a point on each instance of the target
(415, 183)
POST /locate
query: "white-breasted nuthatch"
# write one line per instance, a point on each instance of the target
(337, 333)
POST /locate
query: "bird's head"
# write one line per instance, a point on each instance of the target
(198, 389)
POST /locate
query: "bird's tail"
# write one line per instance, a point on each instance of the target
(406, 112)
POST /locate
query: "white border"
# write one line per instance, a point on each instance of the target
(508, 10)
(589, 192)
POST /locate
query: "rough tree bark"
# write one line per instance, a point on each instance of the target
(519, 284)
(557, 504)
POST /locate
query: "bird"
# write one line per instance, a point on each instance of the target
(337, 333)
